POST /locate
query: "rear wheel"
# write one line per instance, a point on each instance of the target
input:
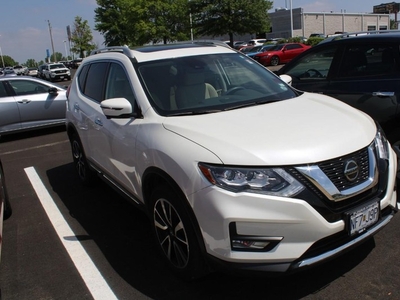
(175, 235)
(274, 60)
(86, 175)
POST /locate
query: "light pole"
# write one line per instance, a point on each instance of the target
(2, 60)
(52, 44)
(291, 19)
(66, 54)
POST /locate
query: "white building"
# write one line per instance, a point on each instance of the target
(306, 23)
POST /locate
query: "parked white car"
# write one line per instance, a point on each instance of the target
(232, 165)
(56, 71)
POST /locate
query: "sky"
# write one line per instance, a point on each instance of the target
(25, 34)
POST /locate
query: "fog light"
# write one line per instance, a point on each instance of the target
(248, 244)
(252, 243)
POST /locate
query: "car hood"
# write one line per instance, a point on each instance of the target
(305, 129)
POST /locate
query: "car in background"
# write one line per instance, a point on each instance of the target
(20, 70)
(33, 72)
(361, 69)
(259, 49)
(56, 71)
(245, 49)
(28, 103)
(256, 42)
(310, 178)
(317, 35)
(8, 72)
(76, 63)
(40, 71)
(280, 54)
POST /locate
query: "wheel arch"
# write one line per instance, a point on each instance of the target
(153, 177)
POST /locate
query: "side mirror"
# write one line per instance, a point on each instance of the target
(286, 78)
(53, 91)
(116, 107)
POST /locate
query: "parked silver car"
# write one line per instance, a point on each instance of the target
(28, 103)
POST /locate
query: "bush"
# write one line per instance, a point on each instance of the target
(314, 41)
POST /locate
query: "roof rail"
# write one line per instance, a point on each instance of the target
(357, 33)
(121, 49)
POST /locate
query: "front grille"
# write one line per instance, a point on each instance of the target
(334, 169)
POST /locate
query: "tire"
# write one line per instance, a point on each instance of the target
(175, 235)
(274, 60)
(4, 195)
(86, 174)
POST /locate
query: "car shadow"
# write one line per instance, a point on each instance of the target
(122, 233)
(31, 133)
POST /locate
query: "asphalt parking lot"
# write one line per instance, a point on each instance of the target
(112, 239)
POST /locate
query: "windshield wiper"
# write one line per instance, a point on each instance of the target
(195, 112)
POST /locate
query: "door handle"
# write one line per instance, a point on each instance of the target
(24, 101)
(383, 94)
(98, 122)
(76, 106)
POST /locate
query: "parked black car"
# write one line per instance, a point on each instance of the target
(361, 69)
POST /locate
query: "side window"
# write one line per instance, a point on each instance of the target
(95, 78)
(25, 87)
(370, 61)
(118, 84)
(292, 47)
(315, 65)
(82, 77)
(3, 92)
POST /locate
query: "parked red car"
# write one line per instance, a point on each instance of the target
(281, 53)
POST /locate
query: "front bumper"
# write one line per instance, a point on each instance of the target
(302, 236)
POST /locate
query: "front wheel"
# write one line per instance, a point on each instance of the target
(274, 60)
(86, 175)
(175, 235)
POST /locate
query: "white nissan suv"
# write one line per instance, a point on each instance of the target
(233, 166)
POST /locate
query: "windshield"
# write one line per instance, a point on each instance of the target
(57, 66)
(209, 83)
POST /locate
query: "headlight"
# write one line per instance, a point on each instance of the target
(381, 144)
(270, 181)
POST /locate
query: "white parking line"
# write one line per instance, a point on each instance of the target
(95, 282)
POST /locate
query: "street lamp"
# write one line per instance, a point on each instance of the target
(65, 46)
(2, 60)
(291, 19)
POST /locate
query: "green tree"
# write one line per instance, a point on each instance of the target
(230, 17)
(81, 37)
(31, 63)
(8, 61)
(142, 21)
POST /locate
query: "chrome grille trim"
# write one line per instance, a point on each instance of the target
(326, 184)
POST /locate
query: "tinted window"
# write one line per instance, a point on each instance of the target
(292, 47)
(370, 60)
(314, 65)
(95, 81)
(3, 92)
(82, 77)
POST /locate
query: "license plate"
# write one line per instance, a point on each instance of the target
(362, 218)
(61, 77)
